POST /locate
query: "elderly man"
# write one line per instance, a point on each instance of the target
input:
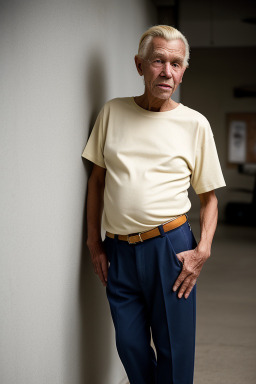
(146, 151)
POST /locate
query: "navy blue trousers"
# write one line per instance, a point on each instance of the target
(142, 303)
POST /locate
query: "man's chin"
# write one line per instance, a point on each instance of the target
(164, 95)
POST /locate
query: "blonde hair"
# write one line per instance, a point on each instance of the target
(165, 31)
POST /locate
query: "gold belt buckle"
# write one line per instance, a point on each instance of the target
(136, 242)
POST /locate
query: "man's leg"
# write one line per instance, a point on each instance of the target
(129, 313)
(173, 320)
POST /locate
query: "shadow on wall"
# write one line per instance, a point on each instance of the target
(95, 321)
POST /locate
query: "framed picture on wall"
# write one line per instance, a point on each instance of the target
(241, 129)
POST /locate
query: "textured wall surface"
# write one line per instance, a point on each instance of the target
(60, 61)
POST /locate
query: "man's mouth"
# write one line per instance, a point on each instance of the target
(163, 85)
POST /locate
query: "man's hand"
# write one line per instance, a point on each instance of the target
(99, 260)
(193, 262)
(194, 259)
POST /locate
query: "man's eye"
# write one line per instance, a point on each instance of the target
(158, 61)
(175, 65)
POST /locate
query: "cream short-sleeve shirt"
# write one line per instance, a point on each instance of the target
(151, 158)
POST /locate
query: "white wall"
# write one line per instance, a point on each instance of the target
(60, 61)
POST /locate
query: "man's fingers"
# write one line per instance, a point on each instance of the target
(105, 269)
(180, 256)
(100, 274)
(180, 279)
(187, 286)
(189, 289)
(192, 266)
(101, 268)
(99, 260)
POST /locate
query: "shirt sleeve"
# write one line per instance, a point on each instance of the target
(94, 149)
(207, 174)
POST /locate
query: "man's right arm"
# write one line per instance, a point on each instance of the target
(96, 185)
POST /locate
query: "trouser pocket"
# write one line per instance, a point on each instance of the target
(180, 239)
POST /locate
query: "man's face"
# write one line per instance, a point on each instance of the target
(163, 67)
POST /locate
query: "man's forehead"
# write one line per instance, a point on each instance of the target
(162, 46)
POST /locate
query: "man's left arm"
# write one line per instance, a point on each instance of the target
(194, 259)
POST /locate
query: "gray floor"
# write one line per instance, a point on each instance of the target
(226, 309)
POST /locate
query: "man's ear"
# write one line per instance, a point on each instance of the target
(138, 63)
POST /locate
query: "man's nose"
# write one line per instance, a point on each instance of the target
(167, 70)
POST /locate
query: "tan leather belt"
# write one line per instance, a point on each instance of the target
(142, 236)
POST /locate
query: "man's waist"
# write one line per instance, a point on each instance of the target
(140, 237)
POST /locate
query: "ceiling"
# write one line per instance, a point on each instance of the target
(216, 23)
